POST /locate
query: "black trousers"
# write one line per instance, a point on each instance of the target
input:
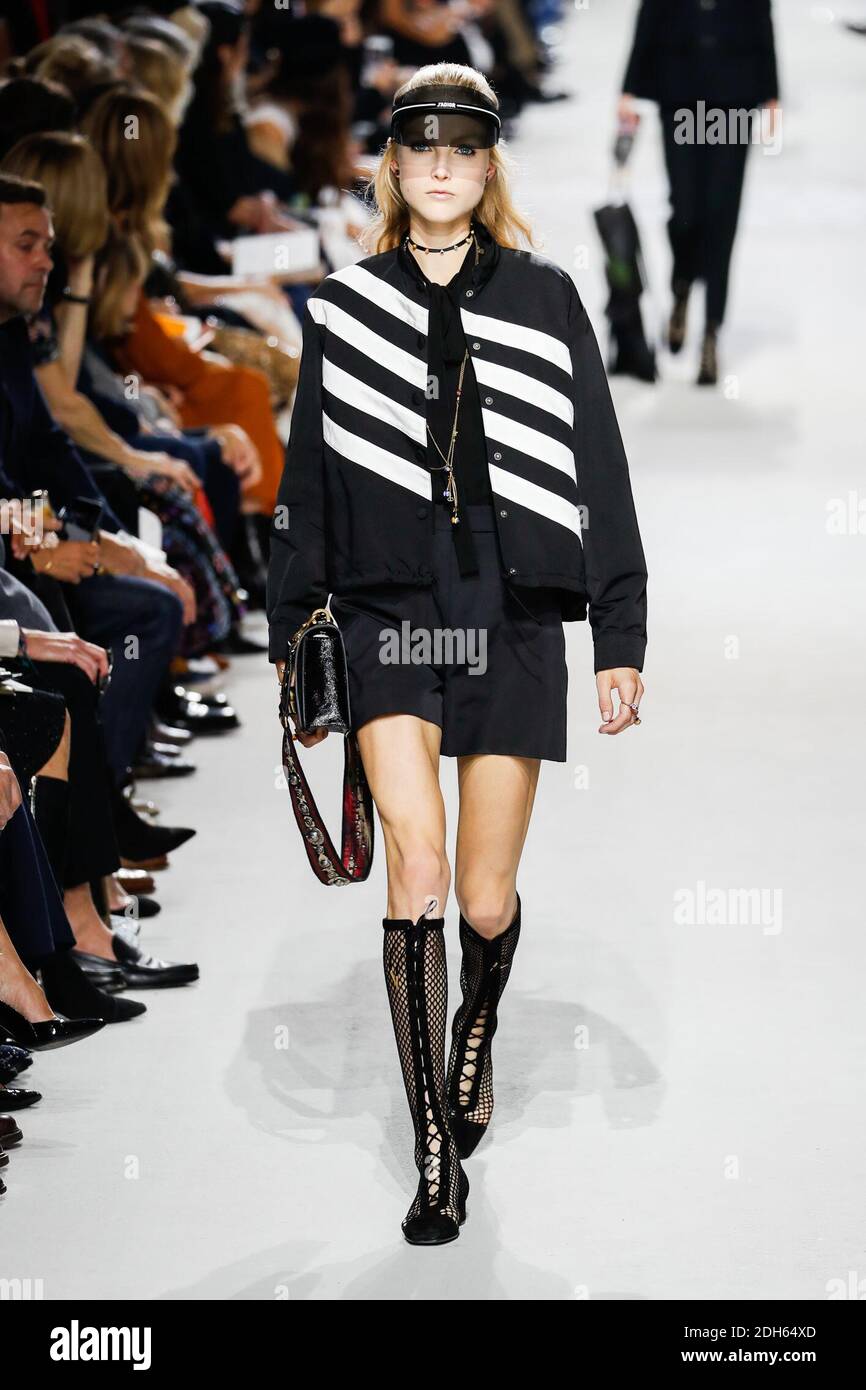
(706, 184)
(91, 849)
(30, 905)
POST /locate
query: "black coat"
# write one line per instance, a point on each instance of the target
(718, 51)
(34, 451)
(355, 505)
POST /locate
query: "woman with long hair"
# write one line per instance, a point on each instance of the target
(456, 479)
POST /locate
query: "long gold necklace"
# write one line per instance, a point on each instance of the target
(451, 487)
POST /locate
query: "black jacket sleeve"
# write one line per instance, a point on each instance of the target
(641, 75)
(616, 572)
(297, 572)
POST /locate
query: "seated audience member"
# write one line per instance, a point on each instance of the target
(136, 595)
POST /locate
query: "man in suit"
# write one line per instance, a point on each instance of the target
(120, 595)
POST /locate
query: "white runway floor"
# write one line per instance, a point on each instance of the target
(679, 1106)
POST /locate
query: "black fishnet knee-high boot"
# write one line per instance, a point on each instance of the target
(416, 976)
(483, 976)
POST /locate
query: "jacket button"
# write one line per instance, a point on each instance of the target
(497, 456)
(488, 400)
(421, 513)
(503, 512)
(476, 346)
(469, 294)
(512, 570)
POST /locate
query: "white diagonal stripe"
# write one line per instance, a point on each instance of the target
(351, 330)
(381, 461)
(517, 336)
(529, 441)
(535, 498)
(386, 296)
(524, 388)
(359, 394)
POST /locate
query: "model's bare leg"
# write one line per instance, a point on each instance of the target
(496, 800)
(401, 759)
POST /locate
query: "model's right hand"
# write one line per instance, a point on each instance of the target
(305, 740)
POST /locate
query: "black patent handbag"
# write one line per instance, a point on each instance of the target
(314, 694)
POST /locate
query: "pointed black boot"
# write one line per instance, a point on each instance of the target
(483, 976)
(416, 977)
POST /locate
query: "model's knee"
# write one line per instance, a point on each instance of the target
(417, 871)
(488, 907)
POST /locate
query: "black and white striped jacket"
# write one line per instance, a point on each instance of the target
(355, 502)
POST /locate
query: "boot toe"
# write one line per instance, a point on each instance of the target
(430, 1228)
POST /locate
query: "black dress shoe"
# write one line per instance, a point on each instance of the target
(140, 909)
(4, 1158)
(9, 1132)
(42, 1037)
(104, 974)
(208, 719)
(147, 972)
(166, 733)
(196, 711)
(151, 763)
(13, 1098)
(13, 1060)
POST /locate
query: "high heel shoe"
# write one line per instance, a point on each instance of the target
(484, 973)
(42, 1037)
(417, 982)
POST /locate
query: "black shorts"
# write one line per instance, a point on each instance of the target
(467, 654)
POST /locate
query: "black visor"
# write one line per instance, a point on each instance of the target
(440, 115)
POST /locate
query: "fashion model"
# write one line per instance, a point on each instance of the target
(455, 478)
(706, 59)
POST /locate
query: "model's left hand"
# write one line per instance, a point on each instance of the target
(626, 680)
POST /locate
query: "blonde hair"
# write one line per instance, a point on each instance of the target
(71, 60)
(73, 177)
(157, 70)
(495, 208)
(137, 159)
(122, 263)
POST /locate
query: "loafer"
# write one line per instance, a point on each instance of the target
(105, 974)
(13, 1098)
(152, 763)
(166, 733)
(149, 972)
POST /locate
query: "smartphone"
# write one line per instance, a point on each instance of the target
(81, 519)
